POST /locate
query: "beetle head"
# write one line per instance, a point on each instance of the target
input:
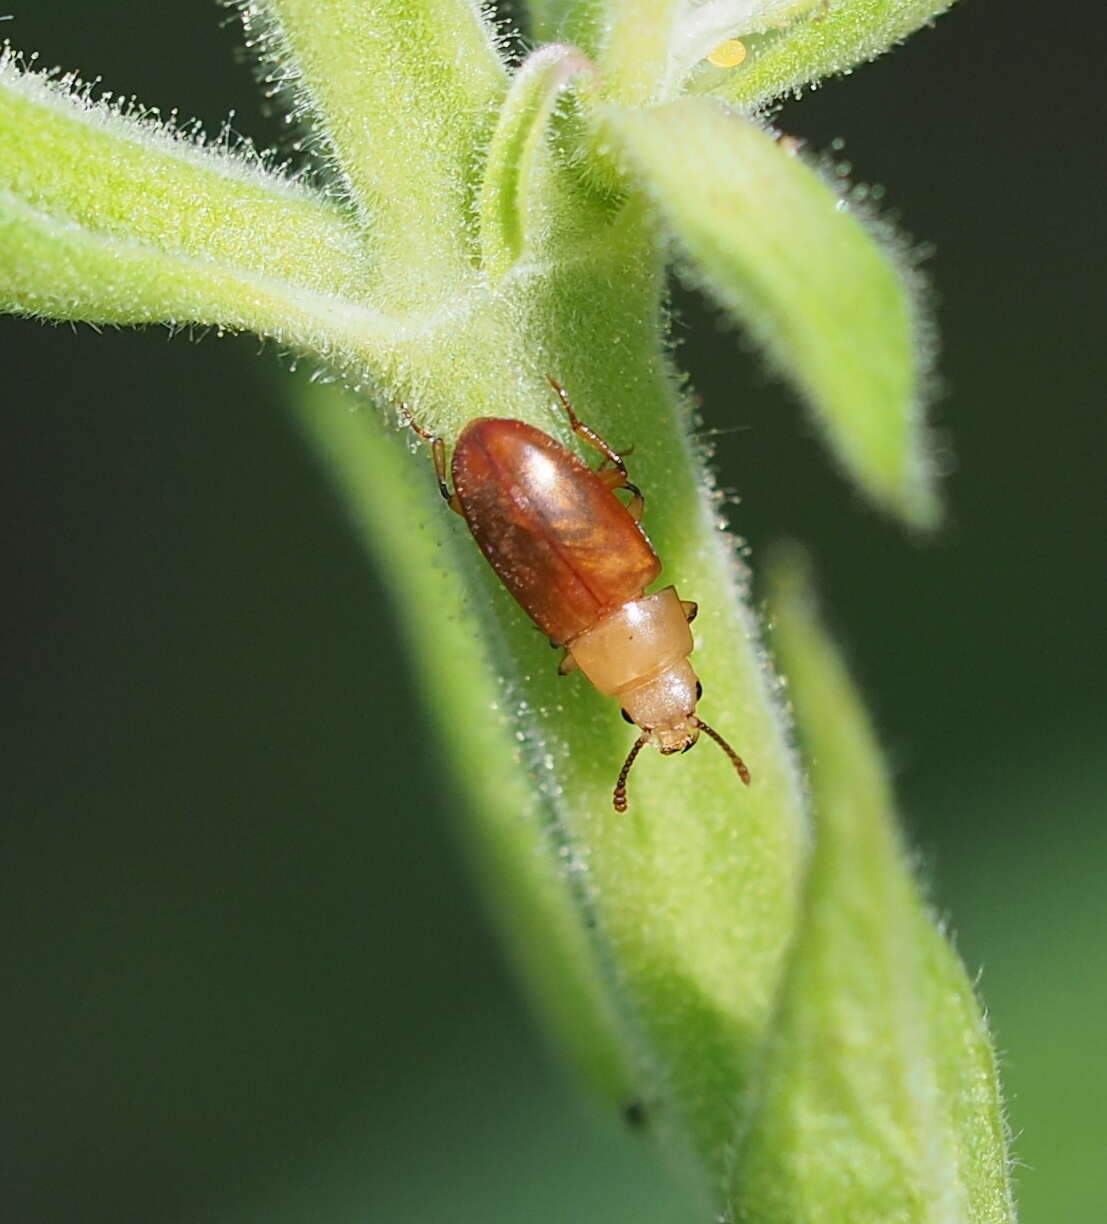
(679, 736)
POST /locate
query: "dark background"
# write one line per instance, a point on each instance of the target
(244, 978)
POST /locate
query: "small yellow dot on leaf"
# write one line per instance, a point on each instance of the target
(728, 54)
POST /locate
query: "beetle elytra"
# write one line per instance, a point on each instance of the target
(578, 562)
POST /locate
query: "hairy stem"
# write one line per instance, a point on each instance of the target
(690, 899)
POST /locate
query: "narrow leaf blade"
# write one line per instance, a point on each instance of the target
(878, 1096)
(54, 268)
(404, 93)
(507, 186)
(398, 519)
(123, 174)
(784, 254)
(826, 40)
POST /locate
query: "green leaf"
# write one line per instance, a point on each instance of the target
(877, 1100)
(635, 57)
(508, 185)
(703, 26)
(789, 258)
(398, 518)
(829, 39)
(404, 94)
(54, 268)
(119, 172)
(108, 215)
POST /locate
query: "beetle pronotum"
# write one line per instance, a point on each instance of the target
(578, 562)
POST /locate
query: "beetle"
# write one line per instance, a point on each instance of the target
(578, 562)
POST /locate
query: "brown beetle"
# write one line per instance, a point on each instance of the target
(577, 561)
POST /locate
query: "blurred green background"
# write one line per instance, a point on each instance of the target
(244, 977)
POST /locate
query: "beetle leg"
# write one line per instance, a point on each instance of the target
(626, 450)
(587, 432)
(616, 476)
(438, 453)
(568, 664)
(615, 479)
(690, 609)
(637, 505)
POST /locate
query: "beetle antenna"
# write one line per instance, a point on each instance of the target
(620, 796)
(735, 759)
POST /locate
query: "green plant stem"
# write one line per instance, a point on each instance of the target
(694, 892)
